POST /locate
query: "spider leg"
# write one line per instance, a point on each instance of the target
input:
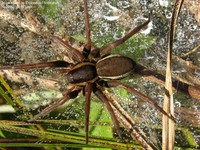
(38, 65)
(98, 92)
(190, 90)
(88, 91)
(128, 123)
(109, 47)
(135, 92)
(87, 27)
(70, 94)
(73, 51)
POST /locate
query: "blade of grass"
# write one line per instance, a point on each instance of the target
(8, 94)
(46, 145)
(168, 124)
(65, 137)
(189, 137)
(12, 99)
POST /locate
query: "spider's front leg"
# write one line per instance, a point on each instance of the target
(87, 27)
(111, 46)
(70, 94)
(77, 55)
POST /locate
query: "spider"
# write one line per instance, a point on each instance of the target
(94, 70)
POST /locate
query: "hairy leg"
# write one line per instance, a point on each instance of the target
(135, 92)
(87, 26)
(37, 65)
(77, 55)
(111, 46)
(88, 91)
(106, 103)
(127, 122)
(70, 94)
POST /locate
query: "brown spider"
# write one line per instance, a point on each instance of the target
(88, 73)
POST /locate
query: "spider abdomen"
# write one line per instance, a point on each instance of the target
(82, 73)
(115, 67)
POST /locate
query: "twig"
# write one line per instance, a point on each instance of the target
(191, 51)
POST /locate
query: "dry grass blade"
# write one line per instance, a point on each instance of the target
(168, 124)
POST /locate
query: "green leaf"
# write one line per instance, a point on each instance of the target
(50, 8)
(100, 118)
(135, 47)
(79, 38)
(1, 134)
(99, 114)
(189, 137)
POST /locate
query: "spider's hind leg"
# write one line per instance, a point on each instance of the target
(135, 92)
